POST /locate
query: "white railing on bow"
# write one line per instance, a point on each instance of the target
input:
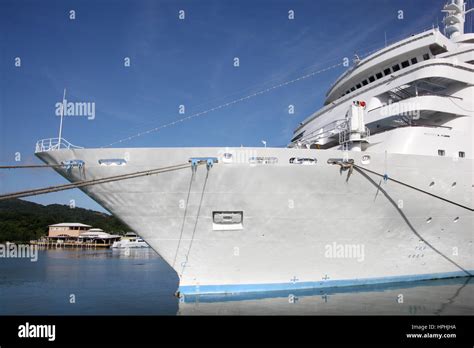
(53, 144)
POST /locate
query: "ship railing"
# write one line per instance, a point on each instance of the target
(53, 144)
(345, 135)
(328, 131)
(421, 93)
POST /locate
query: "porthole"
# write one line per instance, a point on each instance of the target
(456, 219)
(453, 184)
(428, 220)
(365, 159)
(432, 184)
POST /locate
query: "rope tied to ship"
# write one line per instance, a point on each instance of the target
(32, 166)
(344, 164)
(386, 177)
(84, 183)
(348, 164)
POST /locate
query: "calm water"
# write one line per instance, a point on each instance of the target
(139, 282)
(103, 282)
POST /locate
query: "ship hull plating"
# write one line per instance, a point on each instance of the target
(302, 226)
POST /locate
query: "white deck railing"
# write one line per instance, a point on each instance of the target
(53, 144)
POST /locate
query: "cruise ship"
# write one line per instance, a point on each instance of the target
(374, 187)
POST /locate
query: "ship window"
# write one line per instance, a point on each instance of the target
(378, 75)
(396, 67)
(462, 154)
(426, 56)
(353, 89)
(347, 92)
(358, 86)
(364, 82)
(387, 72)
(414, 60)
(441, 152)
(371, 79)
(405, 64)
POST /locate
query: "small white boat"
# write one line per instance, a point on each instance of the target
(130, 240)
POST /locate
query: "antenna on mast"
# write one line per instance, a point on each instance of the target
(61, 122)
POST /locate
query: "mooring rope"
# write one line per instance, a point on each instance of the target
(32, 166)
(386, 177)
(83, 183)
(407, 221)
(184, 218)
(195, 223)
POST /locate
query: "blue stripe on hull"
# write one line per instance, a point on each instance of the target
(246, 288)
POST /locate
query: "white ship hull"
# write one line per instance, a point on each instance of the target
(304, 226)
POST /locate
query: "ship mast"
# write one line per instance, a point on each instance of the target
(455, 18)
(61, 121)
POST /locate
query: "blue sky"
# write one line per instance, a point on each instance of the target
(175, 62)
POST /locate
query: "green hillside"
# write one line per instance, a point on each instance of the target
(22, 221)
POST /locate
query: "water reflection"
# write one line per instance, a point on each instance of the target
(124, 253)
(139, 282)
(433, 297)
(135, 253)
